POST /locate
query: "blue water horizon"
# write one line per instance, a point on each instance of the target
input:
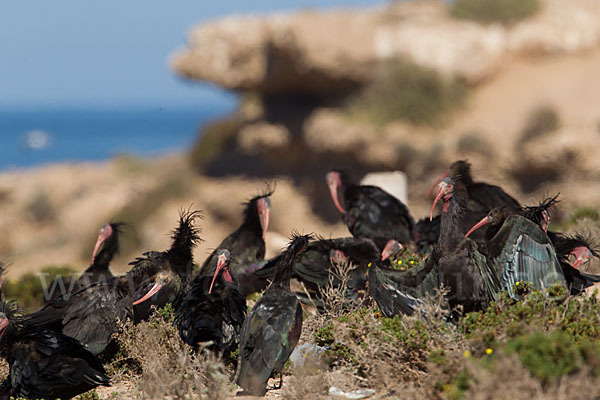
(87, 133)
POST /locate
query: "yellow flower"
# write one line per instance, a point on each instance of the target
(399, 262)
(489, 351)
(467, 354)
(369, 265)
(517, 283)
(412, 261)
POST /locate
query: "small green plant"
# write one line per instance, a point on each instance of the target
(166, 314)
(539, 311)
(29, 290)
(91, 395)
(406, 91)
(550, 356)
(506, 12)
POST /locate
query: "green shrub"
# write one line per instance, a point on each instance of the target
(28, 290)
(506, 319)
(505, 12)
(550, 356)
(406, 91)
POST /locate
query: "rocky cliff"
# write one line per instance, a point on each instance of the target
(297, 73)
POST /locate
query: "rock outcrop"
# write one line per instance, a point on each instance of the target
(296, 73)
(324, 53)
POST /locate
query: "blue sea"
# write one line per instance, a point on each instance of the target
(35, 137)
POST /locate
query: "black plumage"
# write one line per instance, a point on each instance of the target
(106, 247)
(168, 272)
(462, 269)
(481, 197)
(582, 250)
(212, 310)
(246, 244)
(399, 292)
(519, 250)
(273, 327)
(44, 363)
(370, 212)
(91, 314)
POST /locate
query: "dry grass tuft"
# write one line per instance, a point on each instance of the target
(168, 368)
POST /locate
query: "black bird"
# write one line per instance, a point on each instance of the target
(315, 266)
(519, 250)
(370, 212)
(246, 244)
(582, 250)
(91, 314)
(107, 246)
(273, 327)
(462, 269)
(170, 271)
(425, 234)
(44, 363)
(212, 310)
(399, 292)
(481, 197)
(565, 246)
(108, 240)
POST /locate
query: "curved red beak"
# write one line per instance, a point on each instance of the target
(437, 197)
(220, 264)
(485, 220)
(264, 211)
(582, 255)
(333, 183)
(391, 247)
(153, 290)
(104, 234)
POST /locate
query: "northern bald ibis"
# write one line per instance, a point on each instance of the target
(273, 326)
(481, 197)
(212, 310)
(169, 272)
(400, 292)
(582, 250)
(107, 246)
(44, 363)
(370, 212)
(91, 314)
(520, 251)
(462, 269)
(246, 244)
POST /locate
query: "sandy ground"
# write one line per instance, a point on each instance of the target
(82, 197)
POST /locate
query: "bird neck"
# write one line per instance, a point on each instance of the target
(453, 216)
(284, 271)
(251, 218)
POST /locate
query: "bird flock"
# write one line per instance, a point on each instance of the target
(483, 242)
